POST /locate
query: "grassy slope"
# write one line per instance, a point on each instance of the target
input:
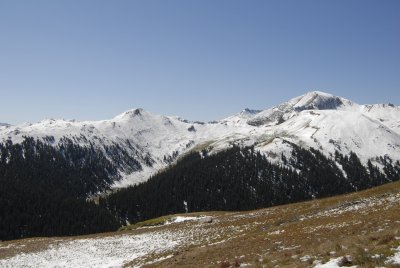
(365, 225)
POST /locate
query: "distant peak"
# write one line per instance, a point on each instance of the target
(250, 111)
(49, 121)
(131, 113)
(319, 93)
(134, 112)
(313, 100)
(318, 100)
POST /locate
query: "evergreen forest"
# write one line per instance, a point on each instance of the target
(44, 190)
(244, 179)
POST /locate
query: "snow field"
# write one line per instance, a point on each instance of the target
(98, 252)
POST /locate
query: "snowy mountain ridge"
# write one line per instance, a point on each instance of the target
(314, 100)
(316, 119)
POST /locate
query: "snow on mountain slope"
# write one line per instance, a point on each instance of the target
(316, 119)
(241, 118)
(153, 140)
(387, 114)
(317, 100)
(328, 123)
(314, 100)
(330, 130)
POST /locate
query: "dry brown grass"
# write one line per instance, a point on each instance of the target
(282, 236)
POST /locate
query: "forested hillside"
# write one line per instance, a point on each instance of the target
(241, 179)
(43, 190)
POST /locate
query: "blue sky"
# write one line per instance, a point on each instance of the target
(201, 60)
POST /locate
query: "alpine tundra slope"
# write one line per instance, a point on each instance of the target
(152, 142)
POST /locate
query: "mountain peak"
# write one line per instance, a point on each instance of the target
(131, 113)
(318, 100)
(313, 100)
(320, 93)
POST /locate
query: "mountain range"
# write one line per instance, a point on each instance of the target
(139, 144)
(68, 177)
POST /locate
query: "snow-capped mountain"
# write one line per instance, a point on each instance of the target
(316, 119)
(324, 122)
(311, 101)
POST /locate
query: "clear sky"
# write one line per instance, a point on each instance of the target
(201, 60)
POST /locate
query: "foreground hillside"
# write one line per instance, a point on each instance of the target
(360, 229)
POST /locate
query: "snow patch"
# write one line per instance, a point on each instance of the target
(99, 252)
(395, 259)
(277, 232)
(182, 219)
(333, 263)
